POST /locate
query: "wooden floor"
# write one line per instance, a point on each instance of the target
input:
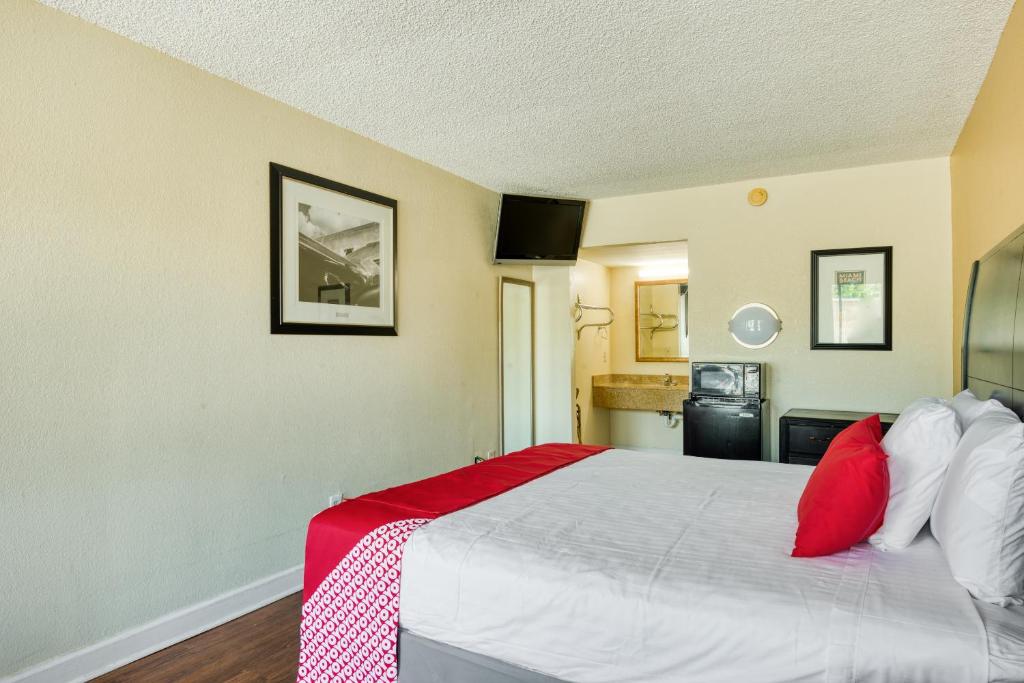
(261, 647)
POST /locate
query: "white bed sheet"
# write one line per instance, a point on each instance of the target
(1005, 628)
(635, 566)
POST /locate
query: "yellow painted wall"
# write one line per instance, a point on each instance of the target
(158, 446)
(987, 167)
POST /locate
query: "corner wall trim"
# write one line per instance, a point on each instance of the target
(136, 643)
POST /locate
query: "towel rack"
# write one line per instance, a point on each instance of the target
(660, 327)
(579, 307)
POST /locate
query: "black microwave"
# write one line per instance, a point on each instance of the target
(727, 380)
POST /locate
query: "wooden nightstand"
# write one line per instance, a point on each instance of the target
(804, 435)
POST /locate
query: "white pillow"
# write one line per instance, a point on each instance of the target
(978, 517)
(968, 408)
(920, 445)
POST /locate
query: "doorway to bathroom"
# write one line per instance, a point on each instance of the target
(632, 344)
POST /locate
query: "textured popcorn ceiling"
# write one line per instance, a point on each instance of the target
(594, 98)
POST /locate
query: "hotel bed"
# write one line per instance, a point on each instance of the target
(624, 566)
(633, 566)
(638, 567)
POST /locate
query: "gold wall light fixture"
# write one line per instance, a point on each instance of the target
(757, 196)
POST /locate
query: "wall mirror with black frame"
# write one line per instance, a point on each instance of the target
(851, 299)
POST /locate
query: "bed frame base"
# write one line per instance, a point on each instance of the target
(421, 660)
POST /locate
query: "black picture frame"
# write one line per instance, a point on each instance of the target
(278, 325)
(886, 344)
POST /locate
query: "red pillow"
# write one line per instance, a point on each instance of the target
(844, 500)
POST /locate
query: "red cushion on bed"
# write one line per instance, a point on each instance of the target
(844, 500)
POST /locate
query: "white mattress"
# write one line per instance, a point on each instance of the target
(644, 567)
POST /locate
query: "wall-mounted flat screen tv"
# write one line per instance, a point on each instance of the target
(538, 230)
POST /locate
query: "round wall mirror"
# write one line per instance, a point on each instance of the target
(754, 326)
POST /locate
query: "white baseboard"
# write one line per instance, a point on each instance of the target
(169, 629)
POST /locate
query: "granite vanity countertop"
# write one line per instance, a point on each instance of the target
(640, 392)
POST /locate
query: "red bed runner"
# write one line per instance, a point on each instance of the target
(352, 579)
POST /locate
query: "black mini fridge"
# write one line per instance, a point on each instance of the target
(734, 429)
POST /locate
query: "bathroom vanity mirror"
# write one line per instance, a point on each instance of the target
(515, 305)
(661, 321)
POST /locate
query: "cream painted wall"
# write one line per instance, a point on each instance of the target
(624, 330)
(987, 167)
(738, 254)
(555, 337)
(592, 351)
(643, 429)
(159, 445)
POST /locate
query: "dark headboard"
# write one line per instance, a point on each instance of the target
(993, 342)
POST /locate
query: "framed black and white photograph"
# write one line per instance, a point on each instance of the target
(332, 257)
(851, 299)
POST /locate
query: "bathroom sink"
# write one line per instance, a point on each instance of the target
(640, 392)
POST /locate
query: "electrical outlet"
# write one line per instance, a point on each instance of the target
(335, 499)
(490, 454)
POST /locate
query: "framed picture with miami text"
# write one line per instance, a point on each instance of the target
(332, 257)
(851, 299)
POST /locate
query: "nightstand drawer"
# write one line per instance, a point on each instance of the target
(805, 435)
(811, 439)
(801, 459)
